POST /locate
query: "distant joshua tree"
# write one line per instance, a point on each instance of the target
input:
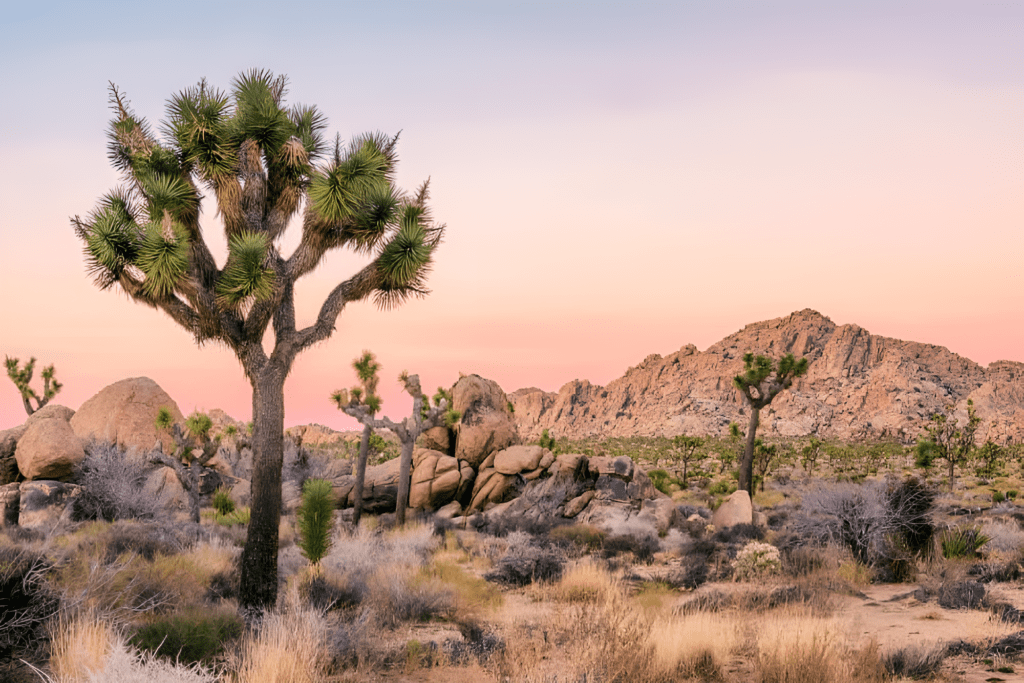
(21, 378)
(424, 416)
(945, 438)
(760, 383)
(186, 464)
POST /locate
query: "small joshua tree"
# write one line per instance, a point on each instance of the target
(366, 367)
(809, 454)
(316, 519)
(683, 451)
(945, 438)
(184, 462)
(21, 378)
(760, 383)
(424, 416)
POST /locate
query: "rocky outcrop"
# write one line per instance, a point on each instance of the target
(486, 425)
(124, 413)
(858, 385)
(10, 504)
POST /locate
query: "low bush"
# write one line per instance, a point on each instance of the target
(526, 561)
(222, 501)
(739, 533)
(914, 661)
(290, 646)
(113, 486)
(327, 593)
(190, 636)
(756, 561)
(26, 602)
(640, 546)
(237, 517)
(583, 536)
(961, 595)
(398, 597)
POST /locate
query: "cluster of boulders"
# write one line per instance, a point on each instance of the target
(476, 470)
(39, 459)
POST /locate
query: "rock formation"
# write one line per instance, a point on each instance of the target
(858, 385)
(124, 413)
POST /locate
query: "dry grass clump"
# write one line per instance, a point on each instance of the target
(79, 647)
(400, 595)
(472, 594)
(587, 581)
(697, 645)
(289, 647)
(798, 647)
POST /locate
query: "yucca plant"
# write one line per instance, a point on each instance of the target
(316, 519)
(264, 163)
(962, 541)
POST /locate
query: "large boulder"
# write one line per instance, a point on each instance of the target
(516, 459)
(124, 414)
(8, 444)
(380, 488)
(486, 425)
(435, 479)
(736, 509)
(44, 503)
(49, 448)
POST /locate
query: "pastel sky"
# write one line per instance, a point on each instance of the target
(617, 179)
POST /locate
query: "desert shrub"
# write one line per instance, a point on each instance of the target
(914, 661)
(398, 597)
(1004, 536)
(663, 481)
(316, 519)
(503, 525)
(326, 593)
(641, 546)
(526, 561)
(962, 541)
(237, 517)
(961, 594)
(756, 560)
(471, 592)
(874, 520)
(222, 502)
(583, 536)
(739, 533)
(25, 598)
(190, 636)
(722, 487)
(113, 486)
(144, 540)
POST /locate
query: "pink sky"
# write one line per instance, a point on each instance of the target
(616, 182)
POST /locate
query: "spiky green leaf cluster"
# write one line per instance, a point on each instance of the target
(246, 275)
(164, 420)
(198, 121)
(316, 519)
(163, 257)
(198, 425)
(405, 259)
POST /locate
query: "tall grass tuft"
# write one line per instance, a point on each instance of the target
(288, 648)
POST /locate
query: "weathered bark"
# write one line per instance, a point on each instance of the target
(747, 464)
(257, 589)
(404, 478)
(357, 491)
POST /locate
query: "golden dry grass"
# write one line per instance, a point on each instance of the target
(290, 647)
(79, 647)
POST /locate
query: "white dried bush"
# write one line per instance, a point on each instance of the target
(756, 560)
(1005, 536)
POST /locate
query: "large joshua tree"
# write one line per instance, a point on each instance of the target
(760, 383)
(265, 164)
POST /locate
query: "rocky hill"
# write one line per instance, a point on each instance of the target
(858, 385)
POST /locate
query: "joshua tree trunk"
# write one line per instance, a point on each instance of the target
(747, 465)
(404, 478)
(357, 491)
(258, 581)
